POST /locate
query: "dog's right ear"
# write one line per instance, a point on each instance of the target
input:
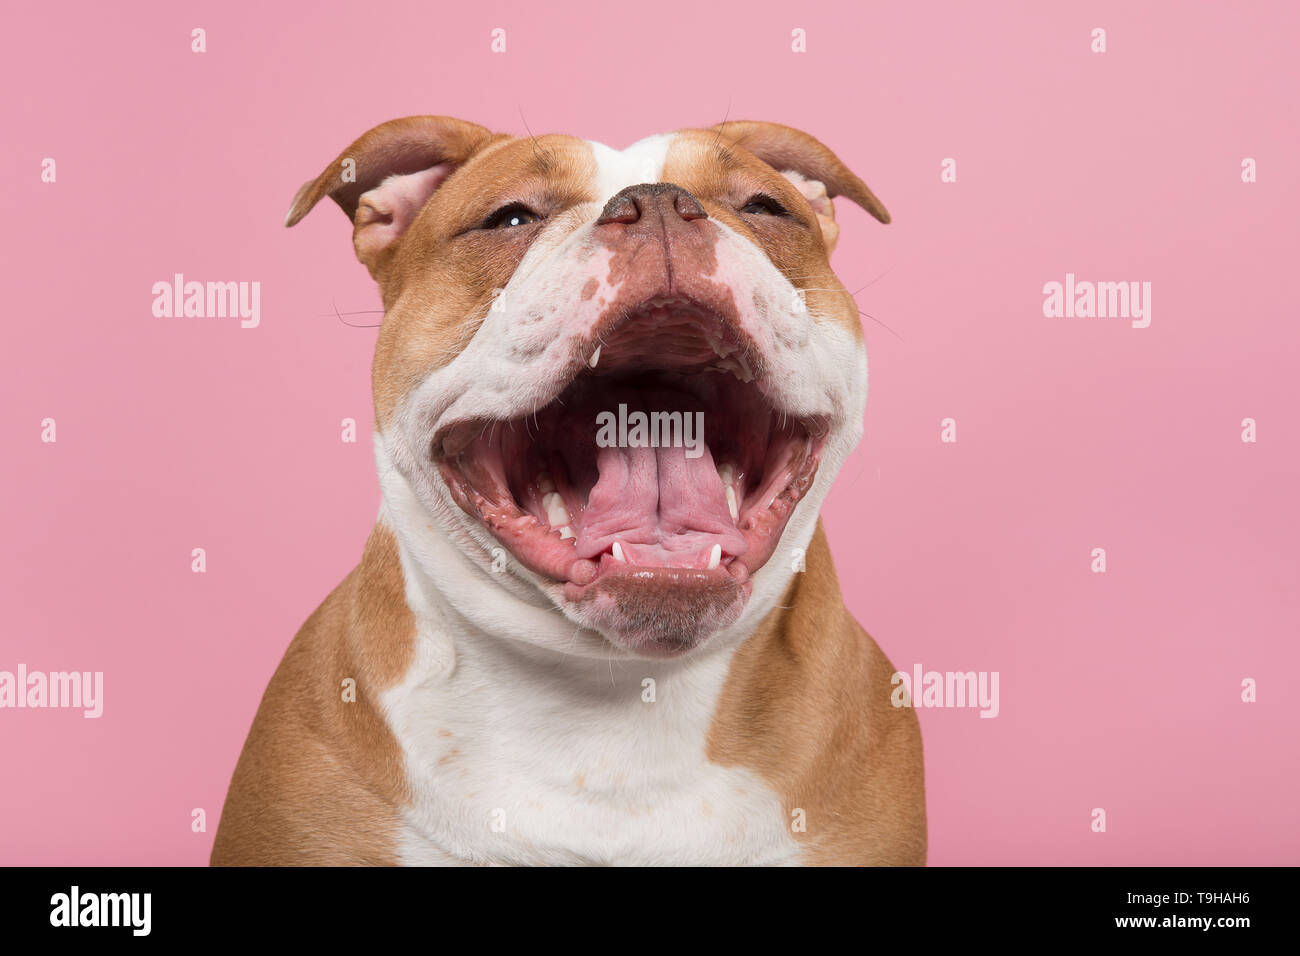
(384, 179)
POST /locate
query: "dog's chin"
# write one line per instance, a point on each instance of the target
(658, 612)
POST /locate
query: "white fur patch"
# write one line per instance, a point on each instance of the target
(642, 162)
(520, 756)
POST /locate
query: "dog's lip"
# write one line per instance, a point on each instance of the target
(607, 567)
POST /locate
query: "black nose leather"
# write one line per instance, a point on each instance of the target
(647, 200)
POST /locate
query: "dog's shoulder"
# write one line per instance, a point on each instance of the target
(807, 705)
(321, 776)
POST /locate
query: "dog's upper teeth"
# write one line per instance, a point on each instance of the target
(595, 357)
(715, 556)
(544, 483)
(556, 513)
(736, 366)
(717, 346)
(618, 552)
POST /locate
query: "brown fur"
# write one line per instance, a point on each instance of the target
(441, 283)
(785, 148)
(807, 706)
(320, 779)
(723, 176)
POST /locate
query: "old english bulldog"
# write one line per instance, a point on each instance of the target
(567, 642)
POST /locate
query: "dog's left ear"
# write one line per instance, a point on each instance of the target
(383, 180)
(809, 164)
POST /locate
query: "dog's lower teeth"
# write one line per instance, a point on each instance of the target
(731, 503)
(566, 532)
(618, 552)
(715, 556)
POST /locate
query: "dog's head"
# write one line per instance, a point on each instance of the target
(633, 373)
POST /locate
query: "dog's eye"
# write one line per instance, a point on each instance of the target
(762, 205)
(515, 214)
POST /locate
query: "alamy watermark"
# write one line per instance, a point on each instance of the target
(129, 910)
(212, 300)
(923, 688)
(65, 689)
(1074, 299)
(626, 429)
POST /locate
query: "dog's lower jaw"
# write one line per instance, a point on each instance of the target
(450, 559)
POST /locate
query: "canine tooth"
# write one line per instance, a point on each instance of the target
(595, 357)
(618, 552)
(715, 556)
(727, 473)
(748, 376)
(556, 513)
(566, 532)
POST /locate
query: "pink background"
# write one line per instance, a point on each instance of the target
(1118, 690)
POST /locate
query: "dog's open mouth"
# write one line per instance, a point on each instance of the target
(661, 460)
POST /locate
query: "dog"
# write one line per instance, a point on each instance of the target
(596, 621)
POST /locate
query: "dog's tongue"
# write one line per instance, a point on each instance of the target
(662, 506)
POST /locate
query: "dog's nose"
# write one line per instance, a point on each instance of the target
(651, 201)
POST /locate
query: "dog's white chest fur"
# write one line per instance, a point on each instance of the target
(512, 762)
